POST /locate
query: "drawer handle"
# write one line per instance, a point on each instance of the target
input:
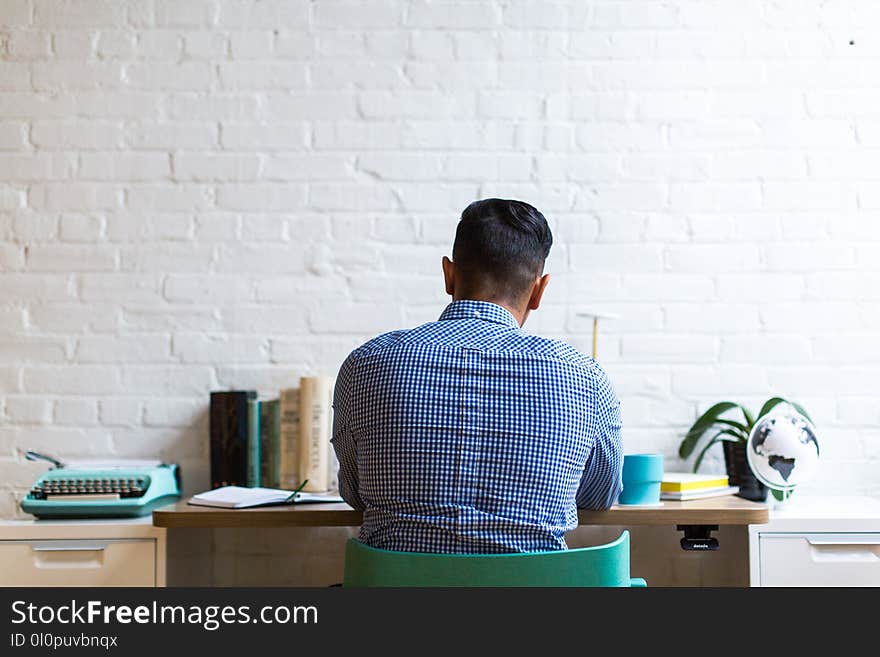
(69, 555)
(68, 548)
(845, 552)
(849, 541)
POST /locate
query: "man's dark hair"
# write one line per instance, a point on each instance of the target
(500, 247)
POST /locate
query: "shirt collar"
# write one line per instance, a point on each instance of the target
(470, 309)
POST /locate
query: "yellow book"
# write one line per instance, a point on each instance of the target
(677, 482)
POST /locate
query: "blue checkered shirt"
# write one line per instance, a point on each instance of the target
(467, 435)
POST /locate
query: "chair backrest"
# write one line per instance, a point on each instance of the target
(602, 565)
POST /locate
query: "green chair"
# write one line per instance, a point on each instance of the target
(602, 565)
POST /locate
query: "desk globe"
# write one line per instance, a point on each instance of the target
(782, 451)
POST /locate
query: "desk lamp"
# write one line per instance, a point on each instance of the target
(596, 317)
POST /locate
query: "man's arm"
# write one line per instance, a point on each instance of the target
(343, 440)
(601, 482)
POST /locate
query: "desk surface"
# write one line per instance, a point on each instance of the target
(713, 511)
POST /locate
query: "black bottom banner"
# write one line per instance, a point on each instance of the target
(264, 621)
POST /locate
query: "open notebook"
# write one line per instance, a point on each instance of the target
(238, 497)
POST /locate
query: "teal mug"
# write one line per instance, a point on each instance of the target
(642, 474)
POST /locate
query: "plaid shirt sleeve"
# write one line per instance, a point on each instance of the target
(601, 482)
(343, 439)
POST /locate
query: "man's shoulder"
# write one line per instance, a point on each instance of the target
(517, 343)
(379, 343)
(578, 366)
(557, 350)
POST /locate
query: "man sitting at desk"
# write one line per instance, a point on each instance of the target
(468, 435)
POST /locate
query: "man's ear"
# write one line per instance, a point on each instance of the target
(449, 275)
(538, 292)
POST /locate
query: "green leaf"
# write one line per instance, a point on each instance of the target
(771, 403)
(750, 420)
(715, 439)
(800, 409)
(736, 425)
(706, 420)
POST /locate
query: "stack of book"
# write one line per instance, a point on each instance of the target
(688, 486)
(274, 443)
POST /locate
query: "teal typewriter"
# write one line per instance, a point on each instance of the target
(101, 490)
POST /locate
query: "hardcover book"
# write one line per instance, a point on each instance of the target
(270, 443)
(677, 482)
(316, 395)
(699, 494)
(289, 438)
(253, 444)
(229, 437)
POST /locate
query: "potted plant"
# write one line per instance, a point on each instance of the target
(733, 433)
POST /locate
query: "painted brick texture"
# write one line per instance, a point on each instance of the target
(236, 193)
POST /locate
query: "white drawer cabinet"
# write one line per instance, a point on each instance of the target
(820, 559)
(818, 542)
(82, 553)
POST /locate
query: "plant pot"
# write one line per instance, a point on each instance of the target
(740, 474)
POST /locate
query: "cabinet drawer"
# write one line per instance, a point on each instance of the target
(78, 563)
(820, 559)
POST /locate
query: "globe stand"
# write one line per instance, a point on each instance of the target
(780, 497)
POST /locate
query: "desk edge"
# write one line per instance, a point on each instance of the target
(195, 519)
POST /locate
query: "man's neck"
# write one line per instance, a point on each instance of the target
(519, 314)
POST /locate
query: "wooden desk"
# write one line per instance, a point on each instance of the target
(714, 511)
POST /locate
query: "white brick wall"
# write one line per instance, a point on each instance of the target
(237, 192)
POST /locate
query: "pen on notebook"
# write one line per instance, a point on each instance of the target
(298, 489)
